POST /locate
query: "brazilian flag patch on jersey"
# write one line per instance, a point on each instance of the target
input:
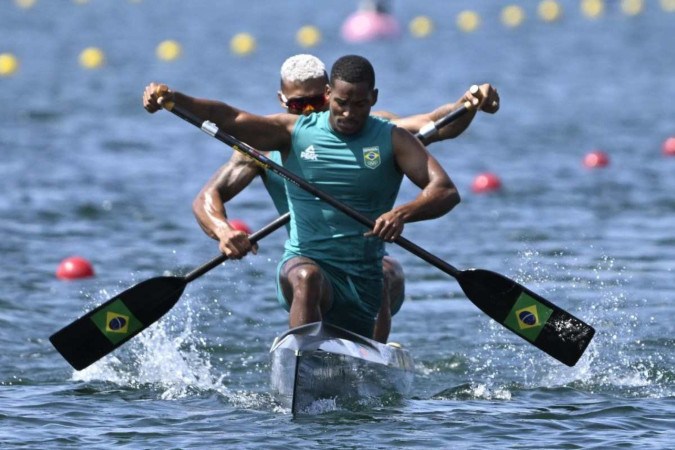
(116, 322)
(371, 157)
(528, 317)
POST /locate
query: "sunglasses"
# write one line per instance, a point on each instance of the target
(304, 104)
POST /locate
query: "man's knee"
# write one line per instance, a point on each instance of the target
(302, 279)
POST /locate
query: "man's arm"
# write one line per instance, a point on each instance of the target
(438, 196)
(261, 132)
(209, 205)
(486, 99)
(232, 177)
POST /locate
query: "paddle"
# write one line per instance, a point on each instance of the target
(102, 330)
(522, 311)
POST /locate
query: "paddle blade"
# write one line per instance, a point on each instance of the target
(527, 314)
(102, 330)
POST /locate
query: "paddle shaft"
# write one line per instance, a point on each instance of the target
(212, 129)
(255, 237)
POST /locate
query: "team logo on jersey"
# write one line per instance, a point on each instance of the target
(371, 157)
(309, 154)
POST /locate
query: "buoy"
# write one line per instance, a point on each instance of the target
(308, 36)
(486, 182)
(168, 50)
(8, 64)
(592, 9)
(74, 267)
(92, 58)
(421, 27)
(549, 10)
(239, 225)
(363, 26)
(468, 21)
(25, 4)
(513, 16)
(242, 44)
(669, 146)
(596, 159)
(632, 7)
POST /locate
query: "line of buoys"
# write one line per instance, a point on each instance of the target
(74, 267)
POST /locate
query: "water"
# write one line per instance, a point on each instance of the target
(86, 171)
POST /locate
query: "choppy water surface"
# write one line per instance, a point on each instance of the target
(86, 171)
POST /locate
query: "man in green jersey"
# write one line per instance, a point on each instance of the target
(302, 91)
(332, 266)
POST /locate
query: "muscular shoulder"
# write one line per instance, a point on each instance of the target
(284, 120)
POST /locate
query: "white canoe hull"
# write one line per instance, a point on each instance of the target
(320, 361)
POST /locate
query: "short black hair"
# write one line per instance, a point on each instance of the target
(353, 69)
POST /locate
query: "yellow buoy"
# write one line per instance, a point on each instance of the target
(468, 21)
(421, 26)
(632, 7)
(92, 58)
(549, 10)
(308, 36)
(8, 64)
(242, 44)
(668, 5)
(592, 8)
(25, 4)
(513, 16)
(168, 50)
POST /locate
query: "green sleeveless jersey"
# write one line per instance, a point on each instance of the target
(275, 184)
(358, 170)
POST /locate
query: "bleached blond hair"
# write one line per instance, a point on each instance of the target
(300, 68)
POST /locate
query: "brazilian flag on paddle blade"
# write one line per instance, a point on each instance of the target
(528, 317)
(116, 322)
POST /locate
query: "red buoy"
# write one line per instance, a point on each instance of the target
(596, 159)
(73, 268)
(669, 146)
(239, 225)
(486, 182)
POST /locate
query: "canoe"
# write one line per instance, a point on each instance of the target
(318, 362)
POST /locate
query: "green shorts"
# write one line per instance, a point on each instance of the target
(356, 300)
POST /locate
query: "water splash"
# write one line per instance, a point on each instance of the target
(621, 359)
(168, 356)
